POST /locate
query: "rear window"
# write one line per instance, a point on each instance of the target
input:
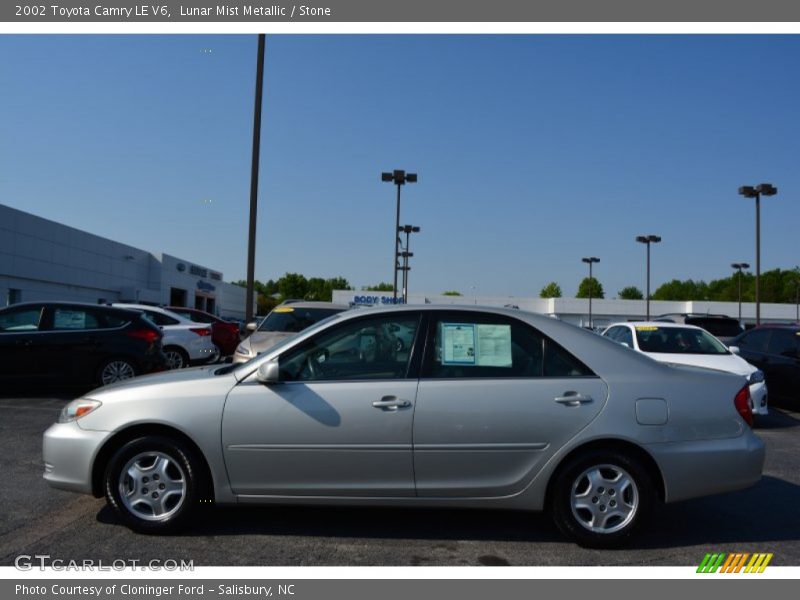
(717, 327)
(293, 319)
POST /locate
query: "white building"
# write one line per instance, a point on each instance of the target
(44, 260)
(576, 310)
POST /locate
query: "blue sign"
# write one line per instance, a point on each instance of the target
(376, 300)
(206, 287)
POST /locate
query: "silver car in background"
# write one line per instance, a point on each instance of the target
(283, 321)
(485, 408)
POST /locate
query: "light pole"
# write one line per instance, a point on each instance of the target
(399, 178)
(748, 191)
(251, 230)
(739, 267)
(408, 230)
(590, 261)
(648, 239)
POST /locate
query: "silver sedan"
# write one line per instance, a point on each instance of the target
(478, 407)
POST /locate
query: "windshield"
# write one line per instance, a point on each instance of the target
(677, 340)
(294, 319)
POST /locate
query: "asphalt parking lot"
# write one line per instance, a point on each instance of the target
(35, 519)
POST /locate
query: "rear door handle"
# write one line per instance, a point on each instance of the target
(573, 399)
(391, 403)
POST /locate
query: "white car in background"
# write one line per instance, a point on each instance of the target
(185, 342)
(681, 344)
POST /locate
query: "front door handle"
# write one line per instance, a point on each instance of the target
(573, 399)
(391, 403)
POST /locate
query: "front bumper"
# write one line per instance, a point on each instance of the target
(706, 467)
(69, 452)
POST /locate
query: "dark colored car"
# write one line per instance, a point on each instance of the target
(76, 343)
(775, 349)
(722, 327)
(224, 334)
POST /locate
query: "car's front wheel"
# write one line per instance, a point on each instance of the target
(600, 498)
(152, 484)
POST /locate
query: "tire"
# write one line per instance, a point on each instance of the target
(601, 498)
(116, 369)
(152, 484)
(177, 358)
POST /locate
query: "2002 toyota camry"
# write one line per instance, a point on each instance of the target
(485, 408)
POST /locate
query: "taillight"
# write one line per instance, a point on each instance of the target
(147, 335)
(201, 331)
(742, 404)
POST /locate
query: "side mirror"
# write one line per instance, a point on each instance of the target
(626, 344)
(734, 349)
(251, 326)
(268, 373)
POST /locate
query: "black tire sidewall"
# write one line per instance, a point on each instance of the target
(175, 450)
(561, 505)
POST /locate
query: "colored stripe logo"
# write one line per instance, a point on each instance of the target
(738, 562)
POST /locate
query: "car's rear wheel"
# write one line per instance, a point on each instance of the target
(115, 369)
(152, 484)
(601, 498)
(176, 357)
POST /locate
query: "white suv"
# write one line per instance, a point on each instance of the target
(185, 342)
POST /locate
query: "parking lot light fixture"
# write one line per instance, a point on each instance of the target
(648, 239)
(749, 191)
(739, 267)
(590, 261)
(399, 178)
(408, 230)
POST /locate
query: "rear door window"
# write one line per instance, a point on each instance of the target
(783, 342)
(471, 345)
(74, 318)
(755, 340)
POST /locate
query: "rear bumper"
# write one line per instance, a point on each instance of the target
(706, 467)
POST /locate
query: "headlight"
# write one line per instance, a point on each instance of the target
(243, 350)
(77, 409)
(755, 377)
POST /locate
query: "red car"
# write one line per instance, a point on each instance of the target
(224, 334)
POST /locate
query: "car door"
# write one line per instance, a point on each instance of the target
(19, 335)
(753, 348)
(338, 424)
(74, 342)
(784, 363)
(496, 399)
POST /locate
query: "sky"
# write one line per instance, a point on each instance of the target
(532, 152)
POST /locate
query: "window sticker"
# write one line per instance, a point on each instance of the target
(494, 345)
(458, 341)
(476, 344)
(283, 309)
(646, 328)
(69, 319)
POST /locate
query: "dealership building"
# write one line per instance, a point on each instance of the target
(44, 260)
(576, 310)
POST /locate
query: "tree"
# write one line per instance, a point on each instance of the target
(381, 287)
(293, 285)
(451, 293)
(630, 293)
(551, 290)
(590, 284)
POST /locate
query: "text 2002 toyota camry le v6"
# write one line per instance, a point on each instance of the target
(485, 408)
